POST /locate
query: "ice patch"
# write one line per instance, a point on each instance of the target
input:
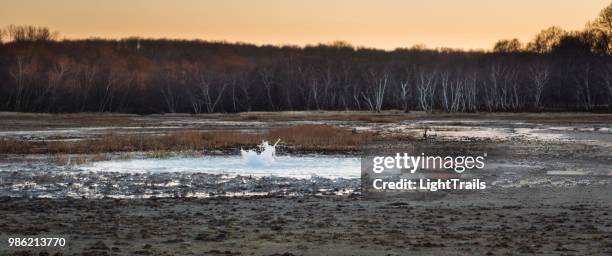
(262, 162)
(284, 166)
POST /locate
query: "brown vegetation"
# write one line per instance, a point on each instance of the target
(302, 137)
(175, 141)
(321, 137)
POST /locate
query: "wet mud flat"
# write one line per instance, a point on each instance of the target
(509, 164)
(549, 191)
(546, 221)
(77, 184)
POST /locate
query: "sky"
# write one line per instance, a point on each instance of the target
(386, 24)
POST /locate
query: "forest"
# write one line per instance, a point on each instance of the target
(557, 70)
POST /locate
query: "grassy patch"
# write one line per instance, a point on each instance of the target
(175, 141)
(301, 137)
(321, 137)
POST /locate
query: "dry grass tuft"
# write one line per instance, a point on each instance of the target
(9, 146)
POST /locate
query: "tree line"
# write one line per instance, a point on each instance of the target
(557, 70)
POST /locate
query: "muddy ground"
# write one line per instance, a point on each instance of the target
(549, 192)
(499, 222)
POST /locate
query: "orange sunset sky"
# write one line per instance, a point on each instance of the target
(386, 24)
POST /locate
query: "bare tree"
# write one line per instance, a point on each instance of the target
(368, 100)
(502, 92)
(546, 40)
(346, 80)
(446, 97)
(607, 81)
(453, 93)
(108, 92)
(603, 23)
(303, 86)
(127, 81)
(168, 87)
(86, 82)
(405, 92)
(491, 89)
(22, 73)
(55, 77)
(375, 94)
(327, 82)
(211, 92)
(426, 88)
(471, 92)
(508, 46)
(30, 33)
(233, 82)
(266, 75)
(539, 75)
(511, 82)
(583, 86)
(356, 93)
(244, 95)
(195, 100)
(457, 96)
(292, 76)
(314, 90)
